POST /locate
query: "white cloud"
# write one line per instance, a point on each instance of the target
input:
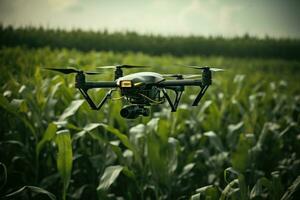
(226, 19)
(209, 17)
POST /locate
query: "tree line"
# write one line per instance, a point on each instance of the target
(245, 46)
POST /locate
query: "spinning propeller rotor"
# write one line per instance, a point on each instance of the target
(122, 66)
(118, 68)
(213, 69)
(72, 70)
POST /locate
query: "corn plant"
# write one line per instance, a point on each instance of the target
(241, 142)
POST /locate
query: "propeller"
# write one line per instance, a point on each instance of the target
(206, 67)
(122, 66)
(203, 68)
(71, 70)
(185, 76)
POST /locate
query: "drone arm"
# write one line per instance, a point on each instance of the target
(107, 96)
(178, 92)
(200, 95)
(88, 98)
(177, 98)
(206, 82)
(84, 86)
(102, 84)
(173, 109)
(169, 83)
(90, 101)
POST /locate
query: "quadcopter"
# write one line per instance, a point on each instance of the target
(142, 89)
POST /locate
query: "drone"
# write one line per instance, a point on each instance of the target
(141, 90)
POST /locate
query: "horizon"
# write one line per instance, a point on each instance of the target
(111, 32)
(269, 18)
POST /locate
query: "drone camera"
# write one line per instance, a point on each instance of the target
(133, 111)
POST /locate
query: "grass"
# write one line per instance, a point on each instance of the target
(241, 142)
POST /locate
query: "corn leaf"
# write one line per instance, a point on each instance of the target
(290, 193)
(71, 109)
(48, 136)
(64, 157)
(124, 139)
(111, 173)
(32, 189)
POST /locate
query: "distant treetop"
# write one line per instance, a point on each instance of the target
(246, 46)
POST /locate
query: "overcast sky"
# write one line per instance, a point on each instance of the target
(277, 18)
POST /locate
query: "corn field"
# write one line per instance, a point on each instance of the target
(242, 141)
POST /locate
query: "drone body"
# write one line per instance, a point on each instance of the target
(141, 90)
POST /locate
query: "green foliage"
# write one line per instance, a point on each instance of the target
(241, 158)
(71, 109)
(28, 189)
(241, 142)
(292, 190)
(110, 175)
(207, 192)
(47, 137)
(27, 192)
(64, 158)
